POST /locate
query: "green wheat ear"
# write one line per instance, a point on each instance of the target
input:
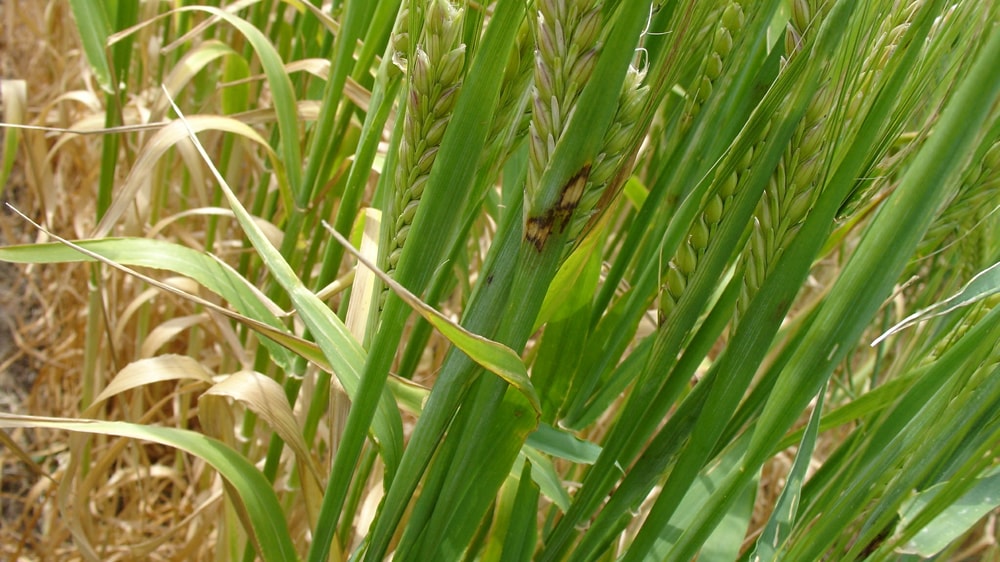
(885, 42)
(608, 172)
(511, 119)
(566, 38)
(970, 222)
(730, 22)
(435, 78)
(685, 261)
(795, 184)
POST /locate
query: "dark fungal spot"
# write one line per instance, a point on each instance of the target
(538, 228)
(570, 197)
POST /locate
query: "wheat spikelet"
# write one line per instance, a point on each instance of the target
(510, 120)
(566, 38)
(400, 38)
(969, 223)
(730, 21)
(605, 177)
(435, 76)
(884, 44)
(794, 186)
(685, 262)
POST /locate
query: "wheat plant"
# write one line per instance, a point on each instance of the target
(516, 280)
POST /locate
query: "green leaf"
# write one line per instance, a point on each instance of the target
(780, 523)
(724, 544)
(574, 283)
(543, 472)
(282, 93)
(635, 192)
(94, 26)
(696, 497)
(522, 531)
(460, 505)
(494, 357)
(985, 284)
(955, 521)
(563, 445)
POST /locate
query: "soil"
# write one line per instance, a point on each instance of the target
(18, 370)
(16, 373)
(24, 339)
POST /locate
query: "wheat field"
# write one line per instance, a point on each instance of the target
(552, 280)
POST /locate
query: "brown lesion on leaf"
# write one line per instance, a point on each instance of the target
(538, 228)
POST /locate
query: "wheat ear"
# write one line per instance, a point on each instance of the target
(607, 173)
(883, 45)
(970, 222)
(566, 39)
(685, 262)
(795, 184)
(435, 77)
(730, 21)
